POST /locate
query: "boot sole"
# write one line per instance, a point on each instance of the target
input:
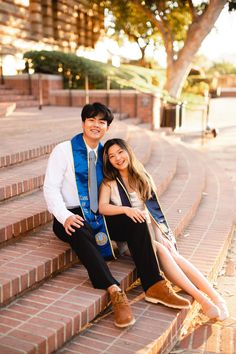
(155, 301)
(125, 324)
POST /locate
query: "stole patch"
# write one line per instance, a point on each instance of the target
(101, 238)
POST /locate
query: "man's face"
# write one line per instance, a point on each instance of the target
(94, 128)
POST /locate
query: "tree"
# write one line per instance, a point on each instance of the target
(181, 24)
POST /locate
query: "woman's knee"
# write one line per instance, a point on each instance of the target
(161, 250)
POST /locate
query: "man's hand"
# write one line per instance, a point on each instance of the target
(73, 220)
(135, 214)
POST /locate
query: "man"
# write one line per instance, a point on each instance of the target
(70, 190)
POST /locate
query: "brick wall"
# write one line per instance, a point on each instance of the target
(29, 84)
(54, 24)
(227, 81)
(135, 104)
(144, 106)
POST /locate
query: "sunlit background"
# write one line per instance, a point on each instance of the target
(219, 45)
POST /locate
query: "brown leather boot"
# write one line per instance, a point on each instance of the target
(163, 293)
(122, 311)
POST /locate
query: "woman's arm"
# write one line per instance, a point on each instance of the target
(108, 209)
(105, 207)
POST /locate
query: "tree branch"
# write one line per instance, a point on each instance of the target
(192, 10)
(159, 24)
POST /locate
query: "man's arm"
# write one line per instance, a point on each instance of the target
(56, 168)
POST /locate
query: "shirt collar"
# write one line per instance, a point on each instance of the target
(90, 149)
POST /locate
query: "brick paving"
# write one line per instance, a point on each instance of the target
(216, 338)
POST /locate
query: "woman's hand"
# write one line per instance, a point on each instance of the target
(135, 214)
(73, 220)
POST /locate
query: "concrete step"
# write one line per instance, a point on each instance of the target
(157, 328)
(22, 178)
(21, 215)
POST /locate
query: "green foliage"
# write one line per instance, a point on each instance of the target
(197, 85)
(222, 68)
(232, 5)
(74, 69)
(137, 24)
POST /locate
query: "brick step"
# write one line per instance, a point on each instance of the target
(228, 92)
(31, 259)
(6, 108)
(29, 154)
(137, 137)
(21, 215)
(120, 116)
(157, 328)
(23, 103)
(183, 196)
(26, 177)
(37, 253)
(163, 163)
(133, 120)
(16, 98)
(27, 212)
(209, 235)
(42, 144)
(22, 178)
(44, 319)
(7, 91)
(29, 266)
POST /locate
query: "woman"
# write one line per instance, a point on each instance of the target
(128, 189)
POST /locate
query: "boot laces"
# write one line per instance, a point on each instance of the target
(170, 289)
(119, 298)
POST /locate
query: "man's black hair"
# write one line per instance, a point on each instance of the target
(97, 109)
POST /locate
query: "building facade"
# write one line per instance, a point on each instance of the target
(65, 25)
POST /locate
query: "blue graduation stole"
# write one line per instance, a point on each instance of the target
(96, 221)
(153, 207)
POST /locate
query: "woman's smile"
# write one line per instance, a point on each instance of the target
(118, 157)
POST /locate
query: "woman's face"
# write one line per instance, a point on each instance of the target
(118, 157)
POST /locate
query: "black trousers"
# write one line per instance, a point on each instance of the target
(121, 228)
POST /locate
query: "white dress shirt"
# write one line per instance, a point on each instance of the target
(60, 189)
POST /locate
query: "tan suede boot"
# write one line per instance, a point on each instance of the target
(163, 293)
(122, 310)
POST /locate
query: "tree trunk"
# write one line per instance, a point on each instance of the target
(178, 70)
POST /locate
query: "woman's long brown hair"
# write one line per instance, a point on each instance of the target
(139, 180)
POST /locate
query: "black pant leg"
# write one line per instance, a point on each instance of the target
(122, 228)
(84, 245)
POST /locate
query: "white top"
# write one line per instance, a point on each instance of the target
(60, 190)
